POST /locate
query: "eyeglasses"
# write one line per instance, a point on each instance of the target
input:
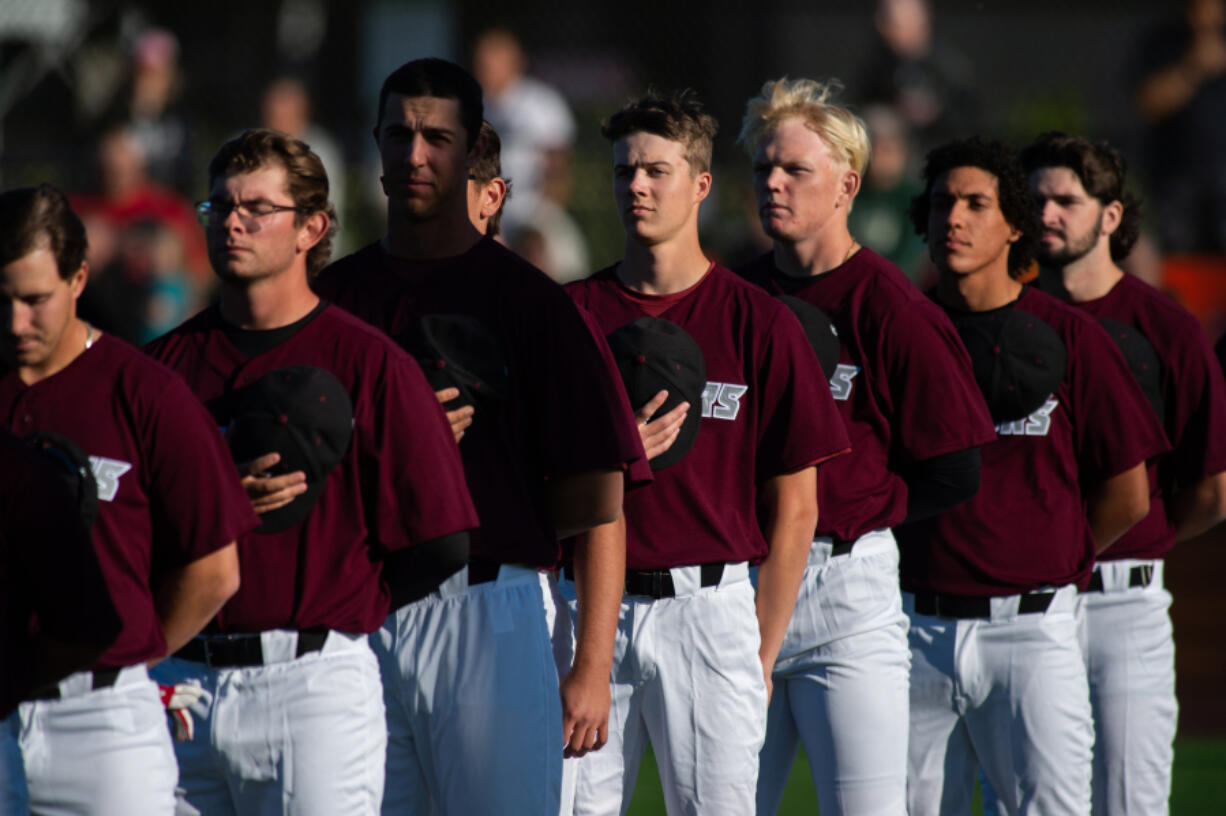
(215, 213)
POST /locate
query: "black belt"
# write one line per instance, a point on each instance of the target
(659, 583)
(234, 651)
(974, 606)
(99, 679)
(840, 546)
(1138, 576)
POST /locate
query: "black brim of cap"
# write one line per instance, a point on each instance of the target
(294, 513)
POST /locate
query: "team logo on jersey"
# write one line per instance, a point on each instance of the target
(1037, 424)
(722, 400)
(840, 383)
(106, 474)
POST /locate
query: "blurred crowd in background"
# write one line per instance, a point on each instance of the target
(123, 103)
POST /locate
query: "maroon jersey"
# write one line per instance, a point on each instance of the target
(50, 580)
(399, 482)
(1194, 398)
(562, 416)
(903, 387)
(765, 413)
(1026, 527)
(168, 492)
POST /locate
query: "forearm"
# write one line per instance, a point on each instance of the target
(600, 577)
(1116, 505)
(1198, 508)
(189, 597)
(791, 518)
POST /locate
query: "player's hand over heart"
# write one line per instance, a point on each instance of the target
(585, 710)
(659, 434)
(268, 493)
(461, 417)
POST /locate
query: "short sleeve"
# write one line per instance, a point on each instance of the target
(196, 499)
(799, 424)
(934, 402)
(577, 405)
(1115, 428)
(1196, 409)
(411, 472)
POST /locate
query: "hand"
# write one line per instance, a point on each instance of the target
(268, 493)
(461, 417)
(659, 434)
(177, 699)
(585, 711)
(770, 684)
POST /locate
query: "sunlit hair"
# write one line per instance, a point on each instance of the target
(33, 218)
(487, 166)
(678, 117)
(306, 181)
(1102, 172)
(1013, 194)
(810, 101)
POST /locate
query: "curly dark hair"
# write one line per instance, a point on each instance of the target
(305, 179)
(1102, 171)
(1016, 202)
(35, 217)
(677, 116)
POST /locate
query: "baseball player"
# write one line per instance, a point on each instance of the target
(1089, 223)
(841, 678)
(291, 717)
(695, 651)
(471, 673)
(488, 191)
(168, 512)
(997, 676)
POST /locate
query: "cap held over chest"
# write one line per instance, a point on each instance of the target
(459, 351)
(304, 414)
(1019, 361)
(820, 331)
(656, 355)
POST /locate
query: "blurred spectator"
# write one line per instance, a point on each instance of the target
(537, 133)
(152, 108)
(931, 85)
(286, 106)
(144, 243)
(1179, 88)
(488, 191)
(879, 218)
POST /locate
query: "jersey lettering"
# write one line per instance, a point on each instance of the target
(1037, 424)
(106, 474)
(840, 383)
(722, 400)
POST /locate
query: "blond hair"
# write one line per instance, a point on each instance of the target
(842, 131)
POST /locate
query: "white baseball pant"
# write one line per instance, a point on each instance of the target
(471, 689)
(686, 677)
(841, 684)
(1008, 692)
(297, 736)
(103, 752)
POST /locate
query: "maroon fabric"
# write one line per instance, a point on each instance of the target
(399, 483)
(765, 414)
(168, 492)
(903, 387)
(1027, 528)
(50, 580)
(1194, 398)
(562, 416)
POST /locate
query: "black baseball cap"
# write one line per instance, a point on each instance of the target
(821, 332)
(459, 351)
(1019, 361)
(1142, 360)
(302, 413)
(72, 463)
(656, 355)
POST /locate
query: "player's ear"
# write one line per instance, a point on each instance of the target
(76, 283)
(704, 186)
(313, 229)
(849, 186)
(1113, 214)
(492, 195)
